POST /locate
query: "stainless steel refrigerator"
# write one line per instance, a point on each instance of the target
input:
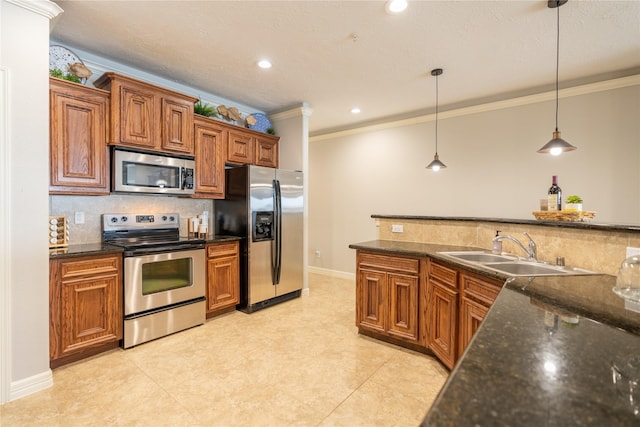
(265, 206)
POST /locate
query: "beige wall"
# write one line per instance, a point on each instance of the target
(493, 168)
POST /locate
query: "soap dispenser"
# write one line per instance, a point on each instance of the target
(497, 244)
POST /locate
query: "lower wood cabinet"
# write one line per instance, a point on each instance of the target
(421, 303)
(85, 297)
(477, 295)
(387, 296)
(223, 277)
(443, 312)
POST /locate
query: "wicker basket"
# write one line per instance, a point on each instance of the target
(573, 216)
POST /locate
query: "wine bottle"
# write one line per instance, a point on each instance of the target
(554, 196)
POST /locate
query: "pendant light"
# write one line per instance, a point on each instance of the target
(556, 145)
(436, 164)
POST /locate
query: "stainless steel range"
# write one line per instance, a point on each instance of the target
(164, 275)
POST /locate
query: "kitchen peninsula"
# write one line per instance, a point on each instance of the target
(551, 350)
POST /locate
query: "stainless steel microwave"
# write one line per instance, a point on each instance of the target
(135, 172)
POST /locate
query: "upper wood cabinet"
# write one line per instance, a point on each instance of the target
(245, 146)
(266, 151)
(78, 135)
(144, 116)
(210, 139)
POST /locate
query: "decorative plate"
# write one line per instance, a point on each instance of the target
(262, 122)
(60, 57)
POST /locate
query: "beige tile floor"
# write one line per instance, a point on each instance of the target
(300, 363)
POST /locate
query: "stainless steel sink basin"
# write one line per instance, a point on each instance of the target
(512, 265)
(477, 256)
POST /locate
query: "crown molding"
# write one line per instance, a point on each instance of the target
(46, 8)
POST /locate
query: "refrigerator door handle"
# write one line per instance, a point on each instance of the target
(278, 231)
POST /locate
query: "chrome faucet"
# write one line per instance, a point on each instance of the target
(532, 251)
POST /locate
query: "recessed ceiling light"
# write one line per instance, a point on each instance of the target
(355, 110)
(264, 64)
(395, 6)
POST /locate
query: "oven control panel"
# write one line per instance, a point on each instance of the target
(134, 220)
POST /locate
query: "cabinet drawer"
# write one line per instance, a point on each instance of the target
(444, 274)
(385, 262)
(222, 249)
(91, 266)
(481, 290)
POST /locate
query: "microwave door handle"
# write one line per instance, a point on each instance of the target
(183, 175)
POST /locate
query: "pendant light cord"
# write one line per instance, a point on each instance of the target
(436, 114)
(557, 63)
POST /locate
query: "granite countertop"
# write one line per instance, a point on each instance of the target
(104, 248)
(542, 356)
(84, 250)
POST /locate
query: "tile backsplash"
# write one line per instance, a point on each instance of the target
(94, 206)
(596, 250)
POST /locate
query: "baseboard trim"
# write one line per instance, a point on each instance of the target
(332, 273)
(30, 385)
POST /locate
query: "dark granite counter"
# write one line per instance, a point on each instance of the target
(563, 224)
(83, 250)
(103, 248)
(542, 356)
(531, 364)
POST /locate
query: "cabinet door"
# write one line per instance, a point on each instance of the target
(177, 126)
(266, 152)
(239, 147)
(209, 146)
(371, 292)
(139, 117)
(443, 322)
(86, 304)
(222, 283)
(223, 276)
(403, 306)
(78, 150)
(471, 315)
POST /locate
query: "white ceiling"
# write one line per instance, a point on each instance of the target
(489, 50)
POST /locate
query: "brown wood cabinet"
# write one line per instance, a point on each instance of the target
(245, 146)
(210, 139)
(387, 297)
(443, 311)
(421, 303)
(85, 297)
(266, 151)
(78, 139)
(148, 117)
(477, 295)
(223, 277)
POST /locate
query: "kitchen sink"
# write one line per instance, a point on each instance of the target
(479, 256)
(514, 266)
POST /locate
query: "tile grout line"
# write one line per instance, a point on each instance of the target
(355, 390)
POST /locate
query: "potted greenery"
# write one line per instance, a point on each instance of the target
(204, 109)
(574, 203)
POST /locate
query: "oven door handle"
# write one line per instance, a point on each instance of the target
(162, 249)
